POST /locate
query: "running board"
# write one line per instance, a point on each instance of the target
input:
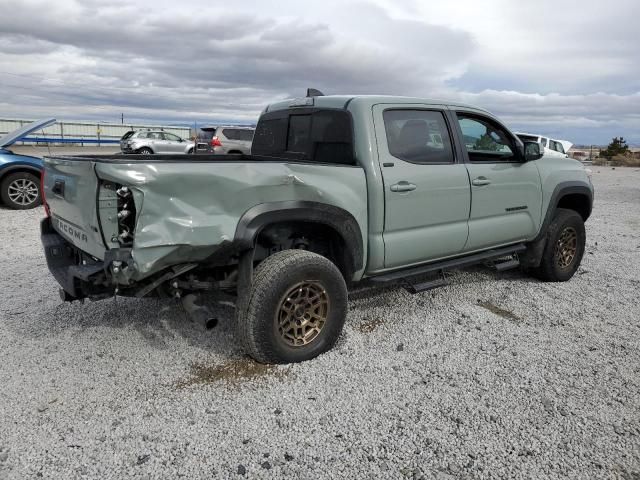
(452, 263)
(507, 265)
(428, 285)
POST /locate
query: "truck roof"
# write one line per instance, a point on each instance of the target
(342, 101)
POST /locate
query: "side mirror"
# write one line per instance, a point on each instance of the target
(532, 151)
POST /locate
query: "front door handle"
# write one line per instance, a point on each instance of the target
(403, 186)
(481, 181)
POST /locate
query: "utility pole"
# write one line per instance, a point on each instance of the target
(122, 118)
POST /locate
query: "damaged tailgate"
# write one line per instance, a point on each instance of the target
(70, 189)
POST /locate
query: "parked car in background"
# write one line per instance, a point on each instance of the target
(552, 147)
(150, 142)
(225, 139)
(20, 174)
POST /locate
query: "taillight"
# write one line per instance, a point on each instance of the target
(215, 142)
(44, 200)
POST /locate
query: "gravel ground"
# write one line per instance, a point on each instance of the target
(494, 376)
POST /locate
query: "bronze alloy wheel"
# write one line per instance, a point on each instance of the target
(566, 247)
(302, 313)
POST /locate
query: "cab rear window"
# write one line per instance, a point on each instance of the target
(313, 135)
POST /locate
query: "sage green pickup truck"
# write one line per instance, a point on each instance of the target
(337, 190)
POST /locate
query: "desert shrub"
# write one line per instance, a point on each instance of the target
(625, 161)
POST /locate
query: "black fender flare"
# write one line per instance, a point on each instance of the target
(561, 190)
(535, 248)
(20, 168)
(264, 214)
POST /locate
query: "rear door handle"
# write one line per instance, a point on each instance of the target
(481, 181)
(403, 186)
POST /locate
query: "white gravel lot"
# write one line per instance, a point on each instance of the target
(494, 376)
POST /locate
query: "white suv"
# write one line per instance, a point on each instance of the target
(225, 140)
(552, 147)
(149, 142)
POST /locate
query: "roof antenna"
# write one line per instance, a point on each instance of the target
(312, 92)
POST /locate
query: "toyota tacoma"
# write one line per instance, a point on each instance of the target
(337, 190)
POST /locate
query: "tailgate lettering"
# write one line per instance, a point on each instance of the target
(71, 231)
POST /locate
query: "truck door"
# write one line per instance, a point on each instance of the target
(426, 185)
(506, 193)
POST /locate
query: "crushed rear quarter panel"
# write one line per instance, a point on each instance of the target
(186, 211)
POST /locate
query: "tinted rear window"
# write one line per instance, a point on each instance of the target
(238, 134)
(323, 136)
(206, 134)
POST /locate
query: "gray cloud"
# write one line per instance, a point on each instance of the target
(158, 60)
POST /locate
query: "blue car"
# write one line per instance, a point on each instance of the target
(20, 174)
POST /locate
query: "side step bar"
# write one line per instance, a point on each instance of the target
(428, 285)
(455, 263)
(507, 265)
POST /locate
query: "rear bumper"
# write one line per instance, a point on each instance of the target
(72, 268)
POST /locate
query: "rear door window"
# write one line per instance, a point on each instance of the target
(418, 136)
(171, 137)
(230, 133)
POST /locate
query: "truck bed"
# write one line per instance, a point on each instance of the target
(182, 208)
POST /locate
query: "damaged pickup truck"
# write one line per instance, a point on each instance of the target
(336, 190)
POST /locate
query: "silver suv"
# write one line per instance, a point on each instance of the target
(225, 140)
(149, 142)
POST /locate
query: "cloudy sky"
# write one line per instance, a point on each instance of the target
(566, 68)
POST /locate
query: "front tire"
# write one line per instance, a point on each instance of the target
(295, 310)
(21, 191)
(566, 238)
(145, 151)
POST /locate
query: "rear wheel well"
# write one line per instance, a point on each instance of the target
(577, 202)
(311, 236)
(10, 171)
